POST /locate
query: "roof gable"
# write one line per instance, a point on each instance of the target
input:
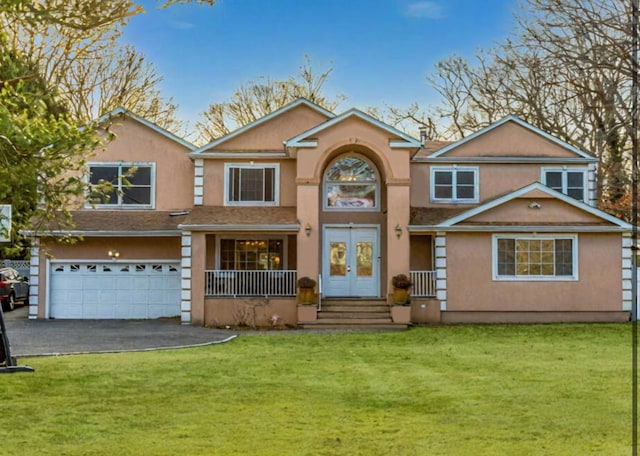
(125, 112)
(306, 139)
(511, 137)
(533, 192)
(233, 139)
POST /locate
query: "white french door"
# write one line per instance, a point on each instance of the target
(350, 261)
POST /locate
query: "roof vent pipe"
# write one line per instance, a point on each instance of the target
(423, 135)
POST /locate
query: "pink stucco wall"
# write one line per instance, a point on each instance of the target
(135, 142)
(470, 286)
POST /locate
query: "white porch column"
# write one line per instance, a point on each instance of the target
(198, 182)
(34, 281)
(627, 272)
(441, 269)
(185, 299)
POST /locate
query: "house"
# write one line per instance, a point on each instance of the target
(500, 226)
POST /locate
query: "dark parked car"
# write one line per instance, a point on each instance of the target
(13, 288)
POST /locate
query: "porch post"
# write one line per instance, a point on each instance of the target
(308, 260)
(441, 269)
(398, 245)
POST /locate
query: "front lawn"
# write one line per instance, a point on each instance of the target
(463, 390)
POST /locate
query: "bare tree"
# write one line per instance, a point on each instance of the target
(256, 99)
(92, 72)
(566, 69)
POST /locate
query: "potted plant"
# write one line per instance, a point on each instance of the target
(401, 284)
(306, 290)
(306, 299)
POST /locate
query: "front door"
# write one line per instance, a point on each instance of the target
(351, 261)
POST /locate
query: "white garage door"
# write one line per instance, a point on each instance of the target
(114, 290)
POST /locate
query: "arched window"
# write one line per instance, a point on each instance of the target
(351, 183)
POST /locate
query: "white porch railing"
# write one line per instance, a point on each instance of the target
(250, 283)
(424, 283)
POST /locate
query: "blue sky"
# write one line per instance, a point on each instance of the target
(381, 50)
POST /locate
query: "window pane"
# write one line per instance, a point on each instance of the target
(338, 259)
(351, 196)
(506, 263)
(227, 254)
(137, 175)
(564, 257)
(465, 191)
(443, 177)
(554, 180)
(364, 259)
(443, 184)
(443, 192)
(251, 184)
(104, 173)
(535, 257)
(465, 177)
(136, 195)
(351, 169)
(269, 187)
(575, 179)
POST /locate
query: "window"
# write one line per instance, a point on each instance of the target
(351, 183)
(122, 185)
(251, 254)
(454, 185)
(571, 182)
(535, 258)
(248, 184)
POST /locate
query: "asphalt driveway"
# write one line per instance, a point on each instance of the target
(63, 337)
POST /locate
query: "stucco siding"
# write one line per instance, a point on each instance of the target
(135, 142)
(269, 135)
(510, 139)
(546, 211)
(495, 179)
(472, 288)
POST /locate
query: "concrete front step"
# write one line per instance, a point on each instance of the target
(354, 308)
(349, 326)
(324, 315)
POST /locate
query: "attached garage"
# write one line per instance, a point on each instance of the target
(114, 290)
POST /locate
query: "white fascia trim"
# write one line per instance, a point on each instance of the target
(506, 159)
(522, 123)
(125, 112)
(531, 187)
(235, 154)
(291, 228)
(402, 145)
(517, 229)
(297, 141)
(255, 123)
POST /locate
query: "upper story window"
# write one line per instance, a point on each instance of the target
(130, 185)
(457, 184)
(251, 184)
(351, 183)
(535, 257)
(570, 181)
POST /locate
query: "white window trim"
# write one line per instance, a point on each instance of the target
(454, 169)
(152, 196)
(325, 183)
(276, 184)
(283, 239)
(524, 278)
(564, 170)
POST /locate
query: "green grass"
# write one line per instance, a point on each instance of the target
(455, 390)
